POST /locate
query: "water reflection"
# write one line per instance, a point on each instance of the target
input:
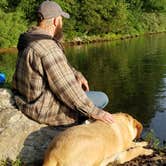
(158, 122)
(158, 125)
(131, 73)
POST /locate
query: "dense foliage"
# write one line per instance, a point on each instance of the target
(88, 17)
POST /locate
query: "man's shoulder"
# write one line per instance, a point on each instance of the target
(38, 41)
(44, 46)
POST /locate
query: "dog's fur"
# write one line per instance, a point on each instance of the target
(97, 143)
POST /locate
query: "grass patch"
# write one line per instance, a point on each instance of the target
(9, 162)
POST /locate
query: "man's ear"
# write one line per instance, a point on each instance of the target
(139, 128)
(55, 21)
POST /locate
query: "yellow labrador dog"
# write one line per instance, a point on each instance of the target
(97, 143)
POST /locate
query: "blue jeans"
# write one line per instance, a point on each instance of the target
(100, 99)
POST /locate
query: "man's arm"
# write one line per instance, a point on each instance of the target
(64, 85)
(80, 78)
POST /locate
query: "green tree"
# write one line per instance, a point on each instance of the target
(29, 8)
(70, 25)
(135, 4)
(3, 4)
(154, 5)
(120, 14)
(12, 24)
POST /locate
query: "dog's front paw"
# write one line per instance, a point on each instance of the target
(148, 152)
(143, 143)
(140, 144)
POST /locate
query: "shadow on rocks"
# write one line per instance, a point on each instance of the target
(32, 153)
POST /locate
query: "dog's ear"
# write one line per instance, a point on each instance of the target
(139, 128)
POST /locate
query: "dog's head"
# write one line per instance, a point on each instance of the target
(138, 127)
(135, 127)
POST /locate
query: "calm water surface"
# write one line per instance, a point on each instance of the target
(131, 72)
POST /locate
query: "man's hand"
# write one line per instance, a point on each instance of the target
(83, 83)
(104, 116)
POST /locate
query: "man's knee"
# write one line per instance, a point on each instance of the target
(100, 99)
(105, 99)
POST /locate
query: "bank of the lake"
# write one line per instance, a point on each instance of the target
(90, 40)
(106, 38)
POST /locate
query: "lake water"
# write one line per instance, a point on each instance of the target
(131, 72)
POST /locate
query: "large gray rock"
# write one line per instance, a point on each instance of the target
(21, 137)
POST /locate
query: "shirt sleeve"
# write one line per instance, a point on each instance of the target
(77, 73)
(63, 84)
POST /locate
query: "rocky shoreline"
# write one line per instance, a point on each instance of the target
(89, 39)
(22, 138)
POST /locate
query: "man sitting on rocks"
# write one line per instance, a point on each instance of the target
(47, 89)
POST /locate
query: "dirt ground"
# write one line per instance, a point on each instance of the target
(158, 158)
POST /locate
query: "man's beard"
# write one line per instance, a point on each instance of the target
(59, 33)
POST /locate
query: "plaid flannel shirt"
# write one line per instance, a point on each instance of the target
(46, 86)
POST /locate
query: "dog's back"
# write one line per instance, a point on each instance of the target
(91, 144)
(78, 144)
